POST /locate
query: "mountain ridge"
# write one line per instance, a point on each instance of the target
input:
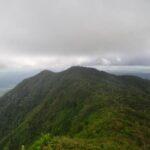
(64, 103)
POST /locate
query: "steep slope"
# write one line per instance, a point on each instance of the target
(15, 105)
(83, 104)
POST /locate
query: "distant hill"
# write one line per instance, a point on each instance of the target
(79, 108)
(139, 74)
(143, 75)
(9, 79)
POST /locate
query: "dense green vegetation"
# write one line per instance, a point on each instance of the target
(79, 108)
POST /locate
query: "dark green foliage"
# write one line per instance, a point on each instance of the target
(80, 108)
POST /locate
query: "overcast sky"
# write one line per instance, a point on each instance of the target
(60, 33)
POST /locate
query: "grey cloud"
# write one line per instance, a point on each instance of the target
(118, 61)
(100, 29)
(3, 65)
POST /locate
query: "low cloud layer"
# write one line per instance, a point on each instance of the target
(61, 33)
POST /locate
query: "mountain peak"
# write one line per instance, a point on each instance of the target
(87, 70)
(46, 72)
(81, 68)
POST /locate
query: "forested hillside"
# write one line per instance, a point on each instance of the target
(79, 108)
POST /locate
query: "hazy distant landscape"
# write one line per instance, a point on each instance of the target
(8, 80)
(4, 90)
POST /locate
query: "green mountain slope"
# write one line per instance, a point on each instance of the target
(79, 108)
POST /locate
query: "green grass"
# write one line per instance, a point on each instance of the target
(47, 142)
